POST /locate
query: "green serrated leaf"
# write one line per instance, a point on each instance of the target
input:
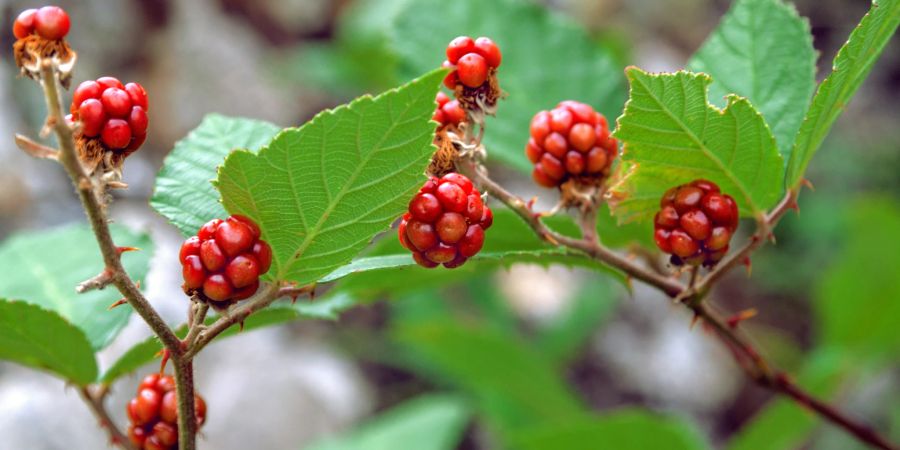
(432, 422)
(42, 339)
(672, 135)
(851, 66)
(184, 193)
(321, 192)
(572, 66)
(322, 308)
(763, 50)
(628, 429)
(30, 271)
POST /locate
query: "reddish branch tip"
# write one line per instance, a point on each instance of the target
(741, 316)
(116, 303)
(121, 250)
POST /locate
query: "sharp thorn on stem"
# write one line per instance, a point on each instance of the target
(741, 316)
(116, 303)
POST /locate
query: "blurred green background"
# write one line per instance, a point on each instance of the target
(527, 357)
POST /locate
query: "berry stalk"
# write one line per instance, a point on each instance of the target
(95, 211)
(94, 399)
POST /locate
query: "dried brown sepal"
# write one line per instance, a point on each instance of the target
(581, 192)
(30, 52)
(443, 161)
(481, 101)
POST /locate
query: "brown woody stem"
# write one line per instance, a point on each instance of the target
(94, 397)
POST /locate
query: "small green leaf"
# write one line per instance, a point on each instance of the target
(321, 308)
(626, 429)
(763, 50)
(429, 422)
(672, 135)
(321, 192)
(858, 297)
(42, 339)
(851, 66)
(43, 267)
(184, 193)
(515, 384)
(554, 60)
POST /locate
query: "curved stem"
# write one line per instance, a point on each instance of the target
(94, 399)
(187, 423)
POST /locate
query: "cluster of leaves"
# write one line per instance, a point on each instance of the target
(322, 192)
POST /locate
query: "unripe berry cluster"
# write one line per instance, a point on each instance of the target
(471, 61)
(446, 222)
(696, 223)
(448, 112)
(224, 260)
(154, 414)
(571, 140)
(49, 22)
(114, 112)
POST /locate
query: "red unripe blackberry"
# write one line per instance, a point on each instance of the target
(471, 61)
(458, 47)
(24, 24)
(154, 414)
(116, 134)
(472, 70)
(695, 223)
(51, 22)
(489, 50)
(445, 223)
(224, 261)
(448, 111)
(112, 112)
(572, 140)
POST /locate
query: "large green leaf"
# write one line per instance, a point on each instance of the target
(321, 192)
(851, 66)
(858, 297)
(763, 50)
(431, 422)
(184, 193)
(43, 267)
(673, 135)
(322, 308)
(515, 385)
(546, 59)
(621, 430)
(42, 339)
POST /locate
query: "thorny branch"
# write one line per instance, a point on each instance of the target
(755, 365)
(114, 273)
(94, 399)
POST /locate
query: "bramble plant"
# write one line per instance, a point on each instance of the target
(294, 211)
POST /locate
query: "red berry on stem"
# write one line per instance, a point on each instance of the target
(217, 288)
(425, 207)
(451, 227)
(169, 409)
(192, 272)
(687, 198)
(166, 383)
(137, 120)
(24, 24)
(472, 242)
(246, 292)
(263, 254)
(533, 151)
(138, 95)
(489, 50)
(453, 113)
(137, 435)
(85, 90)
(474, 208)
(696, 224)
(553, 167)
(556, 144)
(472, 70)
(51, 22)
(661, 237)
(682, 244)
(116, 134)
(421, 235)
(421, 260)
(146, 408)
(540, 177)
(597, 160)
(116, 102)
(459, 180)
(452, 197)
(110, 82)
(574, 163)
(582, 137)
(459, 47)
(540, 126)
(92, 117)
(254, 228)
(441, 253)
(487, 219)
(561, 121)
(208, 230)
(212, 256)
(242, 271)
(718, 239)
(666, 217)
(234, 237)
(165, 433)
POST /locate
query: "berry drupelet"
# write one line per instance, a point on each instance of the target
(471, 60)
(153, 414)
(695, 223)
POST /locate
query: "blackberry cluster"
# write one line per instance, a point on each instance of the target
(114, 113)
(696, 223)
(471, 60)
(154, 414)
(571, 140)
(223, 262)
(446, 222)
